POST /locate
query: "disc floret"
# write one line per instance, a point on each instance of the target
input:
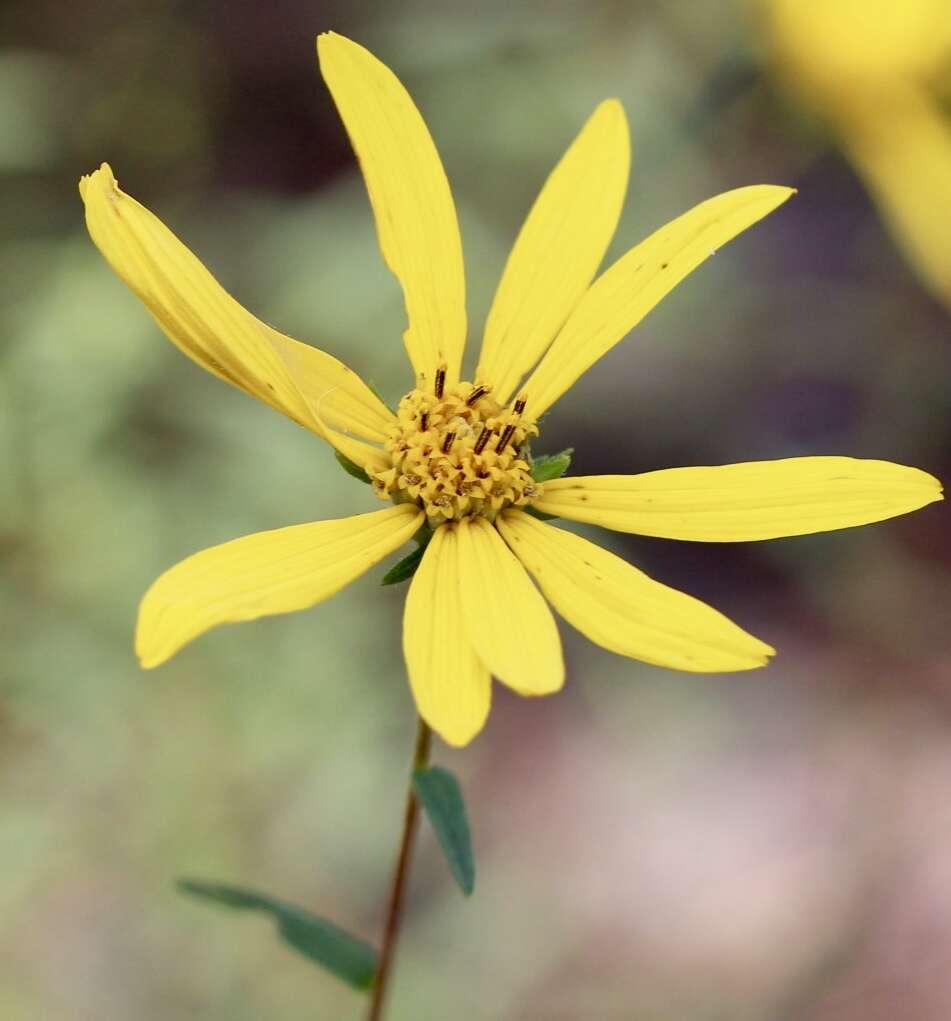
(455, 451)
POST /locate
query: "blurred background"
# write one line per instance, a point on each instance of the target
(650, 845)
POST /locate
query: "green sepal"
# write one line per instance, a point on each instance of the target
(351, 468)
(404, 569)
(346, 956)
(551, 466)
(441, 797)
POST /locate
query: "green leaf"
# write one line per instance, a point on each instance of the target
(351, 468)
(441, 797)
(404, 569)
(347, 957)
(551, 466)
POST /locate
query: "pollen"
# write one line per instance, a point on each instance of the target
(456, 452)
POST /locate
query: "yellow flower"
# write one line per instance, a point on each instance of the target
(872, 70)
(453, 461)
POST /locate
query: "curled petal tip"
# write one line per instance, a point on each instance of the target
(328, 40)
(102, 177)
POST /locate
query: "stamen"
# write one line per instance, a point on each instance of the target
(505, 437)
(482, 440)
(478, 393)
(457, 454)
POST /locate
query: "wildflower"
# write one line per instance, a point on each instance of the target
(872, 70)
(453, 462)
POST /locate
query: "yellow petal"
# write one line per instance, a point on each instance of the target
(620, 298)
(303, 371)
(558, 250)
(743, 502)
(451, 686)
(205, 322)
(506, 618)
(620, 608)
(415, 216)
(854, 44)
(903, 152)
(266, 573)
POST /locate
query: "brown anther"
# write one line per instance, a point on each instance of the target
(478, 392)
(457, 454)
(482, 440)
(505, 437)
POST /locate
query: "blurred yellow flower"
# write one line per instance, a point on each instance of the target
(873, 71)
(453, 462)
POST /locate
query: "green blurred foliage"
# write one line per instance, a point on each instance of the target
(649, 845)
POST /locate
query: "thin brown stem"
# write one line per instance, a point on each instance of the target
(400, 875)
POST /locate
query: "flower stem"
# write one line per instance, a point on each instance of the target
(400, 875)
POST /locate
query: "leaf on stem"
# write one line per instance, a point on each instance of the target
(346, 956)
(441, 797)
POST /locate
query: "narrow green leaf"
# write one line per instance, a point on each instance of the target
(441, 797)
(404, 569)
(230, 896)
(347, 957)
(551, 466)
(351, 468)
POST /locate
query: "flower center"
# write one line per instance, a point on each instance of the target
(456, 452)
